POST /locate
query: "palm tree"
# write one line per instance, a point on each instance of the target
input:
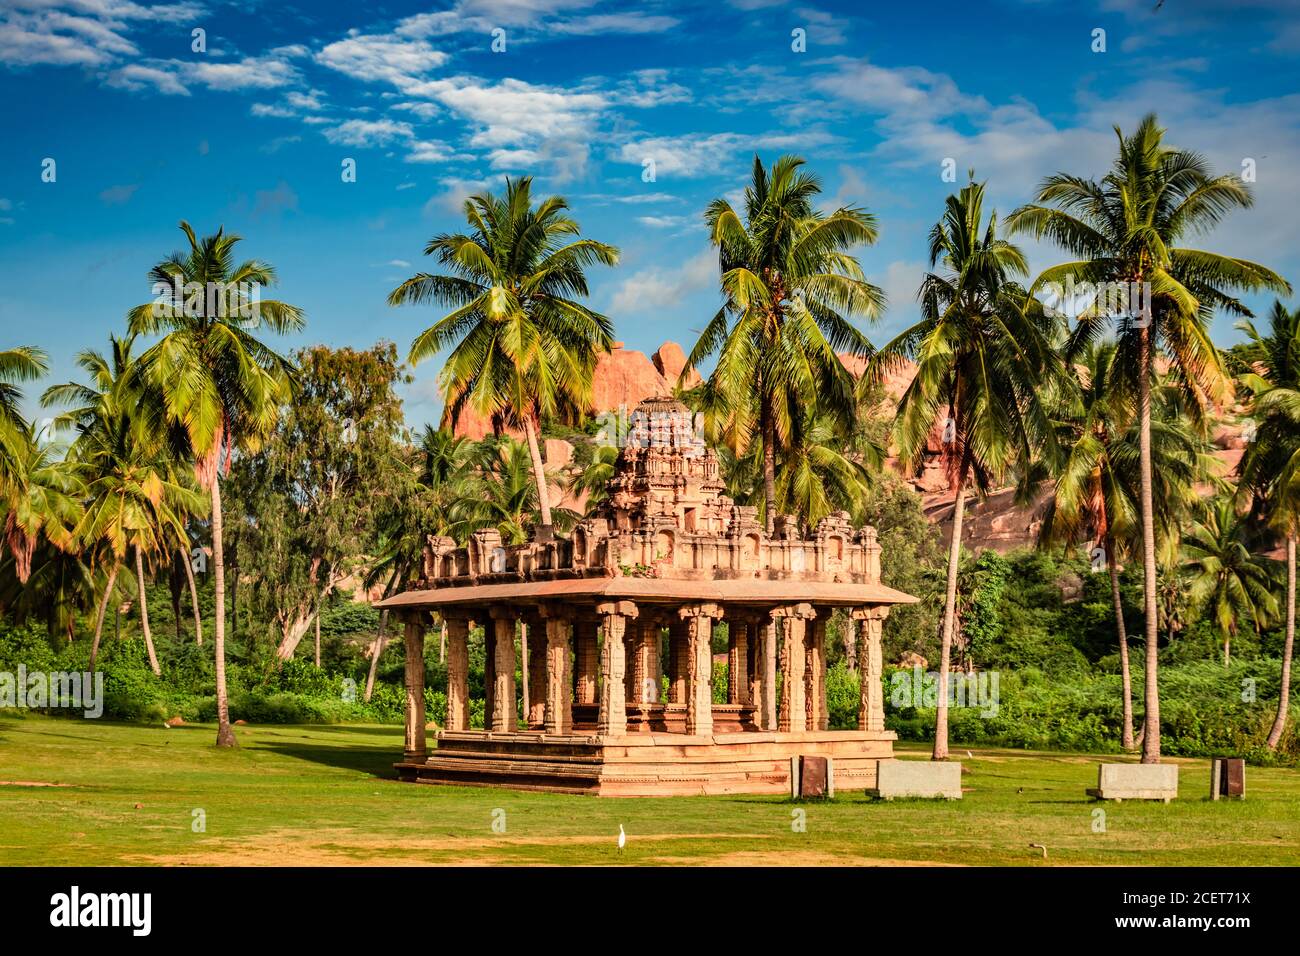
(1270, 468)
(790, 287)
(1125, 232)
(594, 479)
(503, 494)
(134, 498)
(1094, 470)
(22, 364)
(1225, 578)
(983, 350)
(220, 386)
(525, 348)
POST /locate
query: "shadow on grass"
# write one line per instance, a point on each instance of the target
(374, 761)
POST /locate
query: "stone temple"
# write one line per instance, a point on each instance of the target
(632, 596)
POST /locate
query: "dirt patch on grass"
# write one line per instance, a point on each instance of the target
(790, 858)
(31, 783)
(341, 847)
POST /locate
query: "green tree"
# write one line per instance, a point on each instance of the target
(791, 287)
(983, 353)
(524, 347)
(220, 386)
(135, 498)
(1126, 232)
(1224, 578)
(1270, 468)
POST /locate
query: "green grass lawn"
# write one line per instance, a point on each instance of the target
(93, 793)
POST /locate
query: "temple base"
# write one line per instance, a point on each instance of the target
(647, 765)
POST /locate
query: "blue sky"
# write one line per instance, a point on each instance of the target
(251, 133)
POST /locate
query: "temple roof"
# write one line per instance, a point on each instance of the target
(655, 590)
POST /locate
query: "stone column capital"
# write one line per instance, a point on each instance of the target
(870, 612)
(626, 609)
(550, 611)
(802, 611)
(503, 612)
(703, 609)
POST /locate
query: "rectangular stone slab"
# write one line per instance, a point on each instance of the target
(918, 778)
(1136, 781)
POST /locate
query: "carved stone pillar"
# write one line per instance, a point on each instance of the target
(871, 702)
(773, 632)
(536, 675)
(793, 717)
(699, 620)
(677, 661)
(489, 672)
(559, 673)
(738, 661)
(457, 673)
(584, 648)
(851, 648)
(504, 716)
(645, 662)
(614, 616)
(815, 673)
(415, 747)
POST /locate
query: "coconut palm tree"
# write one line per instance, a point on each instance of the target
(791, 287)
(1270, 468)
(1093, 467)
(220, 386)
(1224, 577)
(39, 496)
(983, 353)
(504, 496)
(593, 481)
(1126, 233)
(22, 364)
(135, 500)
(524, 348)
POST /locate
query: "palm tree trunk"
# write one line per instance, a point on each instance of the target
(194, 599)
(1126, 676)
(539, 473)
(376, 649)
(768, 426)
(144, 613)
(1151, 717)
(99, 617)
(949, 623)
(1284, 697)
(225, 736)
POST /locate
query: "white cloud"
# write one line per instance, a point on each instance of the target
(373, 58)
(701, 154)
(663, 288)
(84, 33)
(368, 133)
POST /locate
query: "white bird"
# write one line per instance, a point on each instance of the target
(622, 838)
(971, 755)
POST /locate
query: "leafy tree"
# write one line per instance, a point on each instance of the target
(524, 347)
(791, 287)
(312, 494)
(1126, 232)
(983, 353)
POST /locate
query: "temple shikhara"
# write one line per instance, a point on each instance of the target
(635, 593)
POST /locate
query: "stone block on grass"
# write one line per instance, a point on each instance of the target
(931, 779)
(1136, 781)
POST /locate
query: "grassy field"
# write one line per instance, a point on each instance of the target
(93, 793)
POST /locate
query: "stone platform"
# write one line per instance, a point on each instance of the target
(647, 765)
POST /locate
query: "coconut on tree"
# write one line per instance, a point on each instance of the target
(983, 354)
(220, 386)
(523, 346)
(1126, 232)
